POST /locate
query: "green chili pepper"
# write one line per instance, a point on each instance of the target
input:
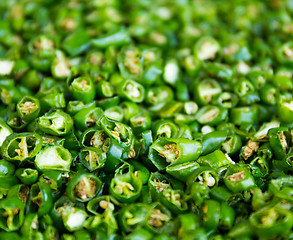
(131, 90)
(73, 218)
(56, 123)
(214, 159)
(206, 90)
(19, 147)
(162, 191)
(204, 175)
(282, 188)
(53, 158)
(30, 226)
(27, 175)
(117, 131)
(83, 187)
(41, 197)
(206, 48)
(271, 221)
(82, 88)
(75, 106)
(279, 139)
(28, 108)
(76, 43)
(87, 117)
(92, 158)
(6, 168)
(5, 131)
(182, 171)
(129, 62)
(166, 151)
(12, 214)
(199, 192)
(155, 120)
(238, 179)
(212, 141)
(211, 115)
(134, 216)
(126, 187)
(54, 180)
(118, 37)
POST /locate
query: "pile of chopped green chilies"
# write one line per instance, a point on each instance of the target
(146, 119)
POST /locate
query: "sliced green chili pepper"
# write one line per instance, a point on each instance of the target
(11, 214)
(212, 141)
(19, 147)
(41, 197)
(117, 131)
(131, 90)
(28, 108)
(57, 123)
(211, 115)
(76, 43)
(53, 158)
(83, 89)
(215, 159)
(92, 158)
(206, 48)
(83, 187)
(204, 175)
(126, 187)
(87, 117)
(27, 175)
(166, 151)
(206, 90)
(271, 221)
(238, 179)
(279, 139)
(73, 218)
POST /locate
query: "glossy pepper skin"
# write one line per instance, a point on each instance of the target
(119, 37)
(54, 179)
(41, 198)
(204, 175)
(212, 141)
(119, 132)
(215, 159)
(27, 175)
(88, 117)
(134, 216)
